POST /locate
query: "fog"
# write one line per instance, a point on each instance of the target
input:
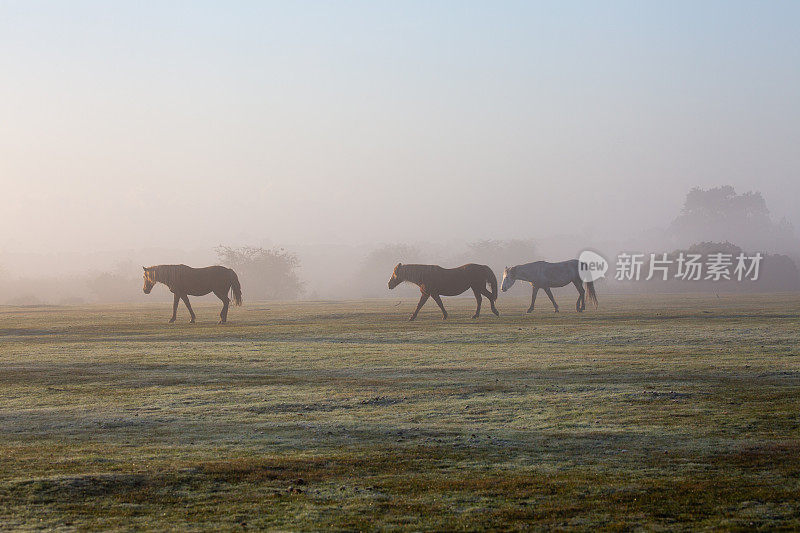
(136, 134)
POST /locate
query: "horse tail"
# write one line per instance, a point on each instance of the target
(237, 289)
(592, 294)
(492, 280)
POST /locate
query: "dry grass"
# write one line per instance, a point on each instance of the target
(652, 412)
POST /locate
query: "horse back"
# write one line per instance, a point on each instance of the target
(545, 274)
(454, 281)
(200, 281)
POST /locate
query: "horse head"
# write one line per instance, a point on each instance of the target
(396, 278)
(149, 279)
(508, 278)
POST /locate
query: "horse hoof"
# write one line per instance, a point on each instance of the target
(191, 322)
(474, 316)
(172, 321)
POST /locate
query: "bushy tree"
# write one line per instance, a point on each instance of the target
(265, 274)
(720, 214)
(115, 286)
(499, 254)
(708, 248)
(376, 269)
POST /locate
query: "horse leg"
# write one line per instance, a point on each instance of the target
(422, 300)
(550, 295)
(185, 299)
(174, 308)
(478, 298)
(533, 298)
(438, 301)
(488, 294)
(223, 315)
(580, 305)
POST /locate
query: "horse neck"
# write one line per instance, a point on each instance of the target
(519, 274)
(412, 273)
(165, 274)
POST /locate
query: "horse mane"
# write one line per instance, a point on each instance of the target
(414, 273)
(169, 275)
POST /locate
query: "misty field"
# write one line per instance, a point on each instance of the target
(654, 412)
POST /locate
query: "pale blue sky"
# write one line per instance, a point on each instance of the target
(194, 123)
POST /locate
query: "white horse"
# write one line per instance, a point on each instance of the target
(544, 275)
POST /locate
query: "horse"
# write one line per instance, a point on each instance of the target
(544, 275)
(434, 281)
(183, 281)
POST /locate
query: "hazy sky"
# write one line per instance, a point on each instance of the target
(197, 123)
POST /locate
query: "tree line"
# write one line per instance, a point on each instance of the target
(711, 221)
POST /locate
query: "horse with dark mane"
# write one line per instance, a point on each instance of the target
(544, 275)
(435, 281)
(184, 281)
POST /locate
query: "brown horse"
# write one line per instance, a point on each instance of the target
(183, 281)
(435, 281)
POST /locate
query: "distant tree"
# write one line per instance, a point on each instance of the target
(707, 248)
(779, 273)
(720, 214)
(376, 269)
(499, 254)
(114, 286)
(265, 274)
(723, 203)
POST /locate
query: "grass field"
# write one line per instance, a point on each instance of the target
(652, 412)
